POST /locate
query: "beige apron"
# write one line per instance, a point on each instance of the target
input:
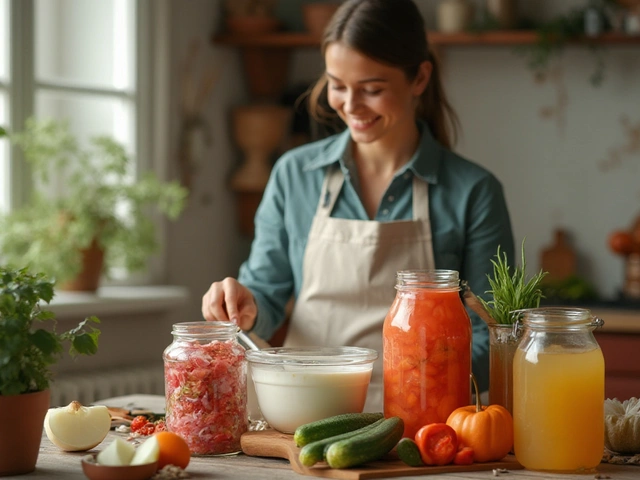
(349, 274)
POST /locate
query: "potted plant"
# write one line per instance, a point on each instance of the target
(26, 354)
(101, 214)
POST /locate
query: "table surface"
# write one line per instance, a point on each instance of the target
(54, 463)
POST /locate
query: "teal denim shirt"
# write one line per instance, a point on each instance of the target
(469, 220)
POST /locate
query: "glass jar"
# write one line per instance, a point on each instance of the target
(206, 387)
(558, 391)
(502, 348)
(426, 349)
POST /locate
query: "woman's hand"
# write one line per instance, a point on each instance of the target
(230, 301)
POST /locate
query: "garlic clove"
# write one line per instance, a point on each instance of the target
(76, 428)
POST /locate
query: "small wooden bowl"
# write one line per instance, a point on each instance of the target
(94, 471)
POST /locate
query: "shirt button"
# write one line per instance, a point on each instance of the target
(406, 175)
(385, 211)
(391, 198)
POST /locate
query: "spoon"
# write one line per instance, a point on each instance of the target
(246, 340)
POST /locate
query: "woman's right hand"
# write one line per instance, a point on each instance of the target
(230, 301)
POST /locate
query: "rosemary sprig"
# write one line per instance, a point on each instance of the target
(511, 291)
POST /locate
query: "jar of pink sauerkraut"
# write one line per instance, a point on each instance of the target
(205, 375)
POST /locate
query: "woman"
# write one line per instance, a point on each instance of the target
(341, 216)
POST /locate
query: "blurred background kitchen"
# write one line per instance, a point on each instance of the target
(197, 95)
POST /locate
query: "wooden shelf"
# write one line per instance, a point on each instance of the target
(497, 38)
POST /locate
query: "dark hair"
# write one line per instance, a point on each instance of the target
(390, 32)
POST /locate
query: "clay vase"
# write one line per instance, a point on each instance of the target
(259, 130)
(21, 423)
(317, 15)
(252, 24)
(454, 16)
(88, 280)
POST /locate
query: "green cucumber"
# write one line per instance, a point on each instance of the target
(336, 425)
(314, 452)
(409, 452)
(367, 446)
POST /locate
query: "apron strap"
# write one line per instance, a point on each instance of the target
(420, 199)
(334, 179)
(331, 186)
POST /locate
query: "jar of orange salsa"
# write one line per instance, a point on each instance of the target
(426, 349)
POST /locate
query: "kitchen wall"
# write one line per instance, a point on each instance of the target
(551, 168)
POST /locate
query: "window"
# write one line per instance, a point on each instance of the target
(68, 59)
(89, 62)
(4, 104)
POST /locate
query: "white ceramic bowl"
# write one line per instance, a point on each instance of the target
(295, 386)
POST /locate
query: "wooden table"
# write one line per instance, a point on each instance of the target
(55, 464)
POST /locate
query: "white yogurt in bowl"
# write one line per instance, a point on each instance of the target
(295, 386)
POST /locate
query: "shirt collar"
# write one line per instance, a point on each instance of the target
(425, 163)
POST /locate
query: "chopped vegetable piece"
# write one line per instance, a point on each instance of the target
(438, 443)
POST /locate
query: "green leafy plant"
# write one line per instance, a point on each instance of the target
(553, 36)
(98, 202)
(27, 352)
(510, 288)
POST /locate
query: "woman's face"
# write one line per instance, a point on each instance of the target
(376, 101)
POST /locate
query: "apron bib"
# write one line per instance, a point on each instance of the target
(349, 275)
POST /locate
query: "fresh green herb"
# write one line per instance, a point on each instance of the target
(26, 352)
(510, 289)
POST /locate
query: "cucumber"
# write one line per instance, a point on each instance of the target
(336, 425)
(314, 452)
(409, 452)
(367, 446)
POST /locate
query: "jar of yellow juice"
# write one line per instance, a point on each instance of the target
(558, 391)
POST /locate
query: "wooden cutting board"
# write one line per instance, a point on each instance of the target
(271, 443)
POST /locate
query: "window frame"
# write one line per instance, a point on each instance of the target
(150, 101)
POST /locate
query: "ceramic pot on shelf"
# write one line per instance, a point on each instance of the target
(454, 16)
(504, 11)
(258, 130)
(317, 15)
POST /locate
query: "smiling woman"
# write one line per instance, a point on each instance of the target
(341, 216)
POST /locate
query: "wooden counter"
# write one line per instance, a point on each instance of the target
(618, 320)
(619, 340)
(53, 463)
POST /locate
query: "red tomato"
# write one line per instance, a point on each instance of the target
(621, 242)
(438, 443)
(464, 456)
(139, 423)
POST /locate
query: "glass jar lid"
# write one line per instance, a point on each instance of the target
(557, 318)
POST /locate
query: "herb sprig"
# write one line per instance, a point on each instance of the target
(511, 291)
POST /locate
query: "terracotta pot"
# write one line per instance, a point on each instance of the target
(88, 280)
(21, 423)
(252, 24)
(316, 16)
